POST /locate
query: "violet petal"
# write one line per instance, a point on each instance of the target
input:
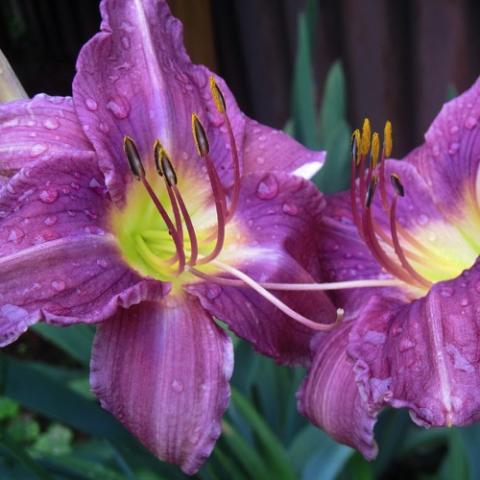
(162, 369)
(330, 398)
(278, 212)
(36, 129)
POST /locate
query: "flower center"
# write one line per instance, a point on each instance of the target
(409, 255)
(163, 232)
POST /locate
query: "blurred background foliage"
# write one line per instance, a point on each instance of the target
(51, 427)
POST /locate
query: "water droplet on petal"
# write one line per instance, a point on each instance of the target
(447, 292)
(177, 386)
(423, 219)
(470, 122)
(15, 235)
(289, 208)
(260, 160)
(464, 302)
(213, 291)
(477, 287)
(101, 262)
(436, 150)
(454, 129)
(91, 104)
(195, 435)
(51, 123)
(58, 285)
(119, 107)
(48, 196)
(38, 149)
(453, 148)
(267, 188)
(50, 220)
(125, 42)
(94, 183)
(406, 344)
(103, 127)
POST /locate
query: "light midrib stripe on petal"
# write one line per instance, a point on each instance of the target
(436, 335)
(155, 74)
(38, 250)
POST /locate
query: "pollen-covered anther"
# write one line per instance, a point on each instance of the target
(387, 139)
(371, 191)
(200, 136)
(217, 96)
(164, 165)
(366, 137)
(133, 157)
(375, 150)
(397, 185)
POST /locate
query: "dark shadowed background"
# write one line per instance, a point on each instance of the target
(400, 57)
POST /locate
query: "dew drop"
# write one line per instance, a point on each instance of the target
(213, 291)
(51, 123)
(436, 150)
(94, 183)
(423, 219)
(406, 344)
(464, 302)
(101, 262)
(477, 287)
(48, 196)
(267, 188)
(38, 149)
(103, 127)
(177, 386)
(50, 220)
(58, 285)
(119, 107)
(260, 160)
(446, 292)
(470, 122)
(91, 104)
(454, 129)
(195, 435)
(453, 148)
(289, 208)
(15, 235)
(125, 42)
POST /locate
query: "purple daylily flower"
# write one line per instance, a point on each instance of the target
(156, 258)
(413, 343)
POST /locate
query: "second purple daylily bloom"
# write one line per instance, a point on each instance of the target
(415, 342)
(82, 240)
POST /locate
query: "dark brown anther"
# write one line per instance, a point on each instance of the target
(397, 185)
(164, 165)
(157, 155)
(133, 157)
(200, 136)
(371, 191)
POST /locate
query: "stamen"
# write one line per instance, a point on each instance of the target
(201, 142)
(397, 185)
(137, 169)
(220, 103)
(366, 137)
(396, 244)
(353, 190)
(372, 186)
(386, 152)
(374, 152)
(171, 228)
(165, 167)
(278, 303)
(133, 157)
(200, 137)
(217, 95)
